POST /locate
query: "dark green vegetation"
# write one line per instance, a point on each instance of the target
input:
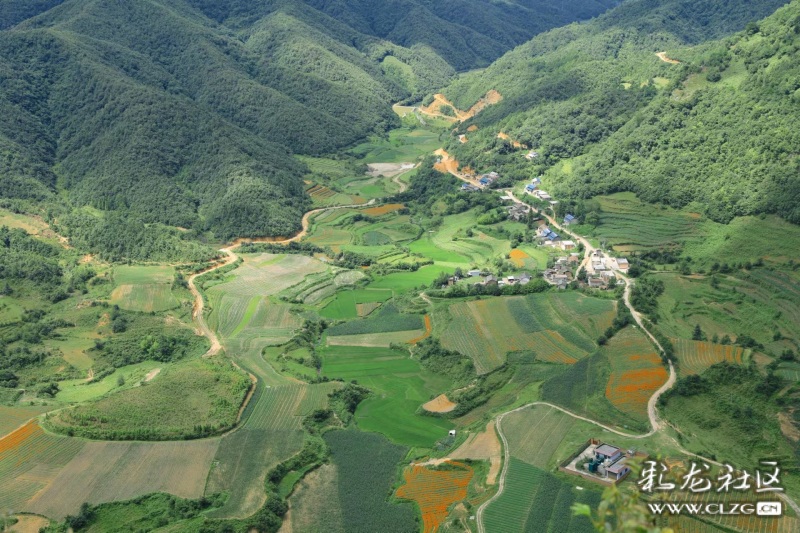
(730, 413)
(466, 34)
(607, 115)
(210, 392)
(141, 514)
(367, 466)
(114, 103)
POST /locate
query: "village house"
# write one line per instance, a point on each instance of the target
(621, 264)
(574, 258)
(529, 188)
(541, 195)
(524, 278)
(531, 155)
(469, 188)
(567, 245)
(474, 273)
(596, 283)
(518, 212)
(569, 220)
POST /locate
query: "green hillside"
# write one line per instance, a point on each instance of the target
(607, 114)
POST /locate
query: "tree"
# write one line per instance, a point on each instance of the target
(697, 335)
(619, 512)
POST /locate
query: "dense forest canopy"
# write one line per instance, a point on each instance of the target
(606, 114)
(188, 113)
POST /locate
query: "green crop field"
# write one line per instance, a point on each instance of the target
(346, 303)
(405, 281)
(271, 433)
(404, 144)
(386, 319)
(366, 470)
(535, 435)
(383, 340)
(447, 243)
(628, 224)
(400, 388)
(144, 288)
(547, 324)
(535, 500)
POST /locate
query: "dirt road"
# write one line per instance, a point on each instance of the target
(663, 57)
(230, 258)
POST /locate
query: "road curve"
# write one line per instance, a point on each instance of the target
(230, 257)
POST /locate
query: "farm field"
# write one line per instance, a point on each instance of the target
(13, 416)
(535, 500)
(636, 372)
(404, 144)
(400, 388)
(113, 471)
(366, 467)
(696, 356)
(144, 288)
(435, 489)
(405, 281)
(376, 339)
(314, 505)
(757, 303)
(629, 225)
(355, 303)
(556, 327)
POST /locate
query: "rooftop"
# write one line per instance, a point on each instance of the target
(606, 449)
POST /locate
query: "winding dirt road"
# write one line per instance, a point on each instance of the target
(231, 257)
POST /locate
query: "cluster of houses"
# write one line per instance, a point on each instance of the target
(601, 269)
(600, 462)
(522, 279)
(561, 273)
(518, 212)
(490, 279)
(487, 179)
(483, 182)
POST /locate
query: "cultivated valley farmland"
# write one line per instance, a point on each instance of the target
(387, 324)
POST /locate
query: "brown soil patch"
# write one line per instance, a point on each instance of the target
(474, 127)
(152, 374)
(440, 404)
(446, 164)
(462, 139)
(382, 209)
(434, 109)
(515, 144)
(663, 57)
(366, 308)
(483, 446)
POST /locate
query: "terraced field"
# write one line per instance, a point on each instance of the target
(637, 372)
(355, 303)
(11, 417)
(696, 356)
(628, 225)
(558, 328)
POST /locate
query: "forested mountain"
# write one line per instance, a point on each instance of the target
(466, 33)
(710, 122)
(187, 112)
